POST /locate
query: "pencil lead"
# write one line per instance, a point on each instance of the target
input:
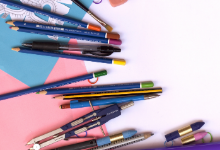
(108, 27)
(14, 28)
(16, 49)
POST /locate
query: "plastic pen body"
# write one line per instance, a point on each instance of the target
(75, 104)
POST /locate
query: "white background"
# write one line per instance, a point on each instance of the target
(175, 44)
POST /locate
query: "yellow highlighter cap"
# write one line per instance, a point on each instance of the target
(119, 62)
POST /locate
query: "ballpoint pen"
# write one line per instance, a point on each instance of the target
(96, 118)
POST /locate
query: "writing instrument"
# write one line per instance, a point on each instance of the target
(71, 56)
(52, 15)
(108, 101)
(108, 27)
(99, 142)
(61, 46)
(183, 131)
(66, 35)
(193, 137)
(87, 122)
(53, 85)
(206, 146)
(111, 93)
(98, 88)
(125, 142)
(64, 30)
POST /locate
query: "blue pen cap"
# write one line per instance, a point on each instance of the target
(103, 141)
(129, 133)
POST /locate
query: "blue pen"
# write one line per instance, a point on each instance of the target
(64, 29)
(53, 85)
(109, 101)
(71, 56)
(66, 35)
(52, 15)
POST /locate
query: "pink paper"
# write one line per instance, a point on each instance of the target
(29, 116)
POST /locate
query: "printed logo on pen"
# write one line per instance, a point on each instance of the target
(112, 112)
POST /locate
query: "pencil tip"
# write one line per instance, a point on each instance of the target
(152, 134)
(10, 27)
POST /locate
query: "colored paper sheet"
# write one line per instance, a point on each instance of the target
(32, 70)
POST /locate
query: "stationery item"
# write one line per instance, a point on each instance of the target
(184, 131)
(86, 49)
(81, 104)
(52, 15)
(71, 56)
(53, 85)
(79, 146)
(116, 3)
(125, 142)
(206, 146)
(98, 88)
(116, 137)
(99, 142)
(98, 117)
(111, 93)
(193, 138)
(108, 27)
(66, 35)
(61, 46)
(64, 30)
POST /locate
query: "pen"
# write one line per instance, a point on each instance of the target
(61, 46)
(78, 104)
(99, 142)
(137, 85)
(52, 15)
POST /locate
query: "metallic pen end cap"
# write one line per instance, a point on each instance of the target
(150, 96)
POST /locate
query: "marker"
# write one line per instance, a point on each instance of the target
(98, 102)
(138, 85)
(53, 85)
(70, 36)
(71, 56)
(52, 15)
(112, 93)
(193, 138)
(64, 30)
(184, 131)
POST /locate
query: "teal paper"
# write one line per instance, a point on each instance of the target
(32, 70)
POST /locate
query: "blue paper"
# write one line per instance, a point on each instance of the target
(32, 70)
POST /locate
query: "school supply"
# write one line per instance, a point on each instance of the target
(99, 102)
(98, 117)
(184, 131)
(86, 49)
(52, 15)
(67, 35)
(108, 27)
(71, 56)
(64, 30)
(125, 142)
(193, 138)
(98, 88)
(53, 85)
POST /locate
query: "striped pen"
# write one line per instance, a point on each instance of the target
(64, 30)
(66, 35)
(52, 15)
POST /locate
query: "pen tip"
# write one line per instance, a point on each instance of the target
(152, 134)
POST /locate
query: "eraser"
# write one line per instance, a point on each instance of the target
(115, 3)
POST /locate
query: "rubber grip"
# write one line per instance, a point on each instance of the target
(45, 46)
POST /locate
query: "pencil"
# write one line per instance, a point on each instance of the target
(66, 35)
(52, 15)
(111, 93)
(98, 88)
(53, 85)
(71, 56)
(108, 27)
(64, 30)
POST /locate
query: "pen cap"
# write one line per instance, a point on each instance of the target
(172, 136)
(101, 73)
(147, 84)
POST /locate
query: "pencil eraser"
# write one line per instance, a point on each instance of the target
(115, 3)
(115, 42)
